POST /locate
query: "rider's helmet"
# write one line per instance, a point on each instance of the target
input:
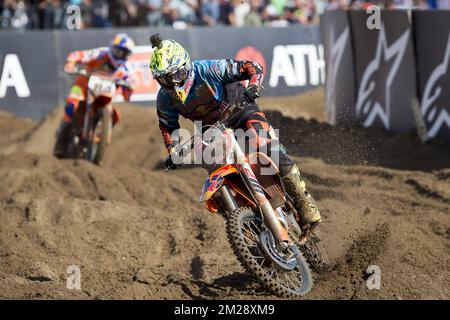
(171, 66)
(120, 48)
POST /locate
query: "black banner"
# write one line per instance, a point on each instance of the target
(292, 58)
(340, 82)
(28, 73)
(432, 43)
(221, 309)
(385, 70)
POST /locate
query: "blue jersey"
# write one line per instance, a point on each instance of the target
(205, 99)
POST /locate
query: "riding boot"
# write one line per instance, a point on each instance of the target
(303, 201)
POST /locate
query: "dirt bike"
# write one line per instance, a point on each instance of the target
(93, 122)
(262, 224)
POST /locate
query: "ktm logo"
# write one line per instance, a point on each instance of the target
(436, 99)
(374, 94)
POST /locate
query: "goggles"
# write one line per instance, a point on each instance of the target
(120, 53)
(174, 79)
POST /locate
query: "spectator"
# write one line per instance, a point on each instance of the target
(240, 11)
(443, 4)
(13, 14)
(51, 14)
(338, 4)
(279, 6)
(420, 4)
(54, 15)
(226, 12)
(184, 11)
(155, 14)
(210, 10)
(308, 13)
(131, 11)
(254, 17)
(7, 12)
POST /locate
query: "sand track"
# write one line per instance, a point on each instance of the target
(137, 232)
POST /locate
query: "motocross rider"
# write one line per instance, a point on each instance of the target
(202, 90)
(112, 60)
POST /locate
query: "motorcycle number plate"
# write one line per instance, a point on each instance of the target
(101, 87)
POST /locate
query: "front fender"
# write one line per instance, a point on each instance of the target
(215, 181)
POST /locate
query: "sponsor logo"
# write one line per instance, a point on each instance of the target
(12, 76)
(336, 54)
(298, 65)
(435, 100)
(374, 98)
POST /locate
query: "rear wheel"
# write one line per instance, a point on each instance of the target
(309, 243)
(315, 253)
(100, 136)
(245, 232)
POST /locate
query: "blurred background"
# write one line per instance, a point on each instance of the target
(51, 14)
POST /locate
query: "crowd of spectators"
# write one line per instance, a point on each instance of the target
(52, 14)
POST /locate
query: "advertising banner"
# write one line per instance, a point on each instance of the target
(432, 46)
(340, 82)
(292, 58)
(385, 70)
(28, 73)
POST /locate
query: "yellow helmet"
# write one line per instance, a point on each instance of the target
(170, 65)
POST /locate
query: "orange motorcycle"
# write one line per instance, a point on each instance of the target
(93, 121)
(262, 224)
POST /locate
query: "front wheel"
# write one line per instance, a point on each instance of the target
(244, 230)
(100, 136)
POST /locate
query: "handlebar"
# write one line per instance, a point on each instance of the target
(235, 114)
(84, 72)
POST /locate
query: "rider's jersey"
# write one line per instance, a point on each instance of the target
(205, 100)
(99, 60)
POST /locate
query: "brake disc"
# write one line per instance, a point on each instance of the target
(286, 262)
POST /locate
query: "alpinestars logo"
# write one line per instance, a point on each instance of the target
(336, 54)
(436, 98)
(374, 99)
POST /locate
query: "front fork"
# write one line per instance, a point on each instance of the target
(87, 114)
(271, 217)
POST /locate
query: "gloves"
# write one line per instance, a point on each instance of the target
(169, 164)
(251, 93)
(72, 68)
